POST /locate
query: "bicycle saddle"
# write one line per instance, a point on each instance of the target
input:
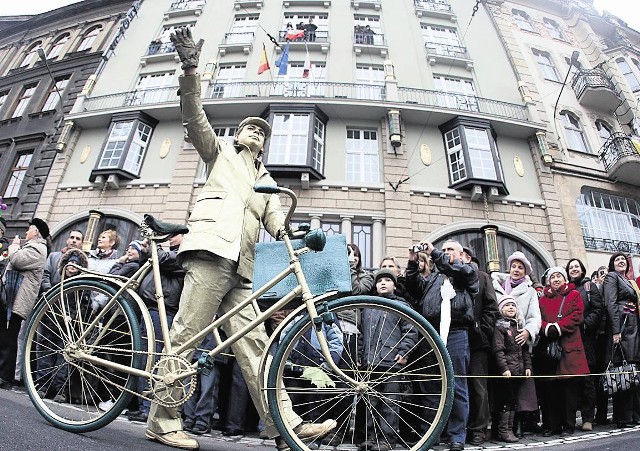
(165, 228)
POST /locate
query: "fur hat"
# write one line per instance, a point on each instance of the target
(504, 300)
(73, 256)
(555, 269)
(517, 255)
(386, 272)
(42, 227)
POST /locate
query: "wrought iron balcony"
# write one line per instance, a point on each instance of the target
(187, 4)
(157, 48)
(434, 8)
(234, 42)
(611, 245)
(595, 89)
(368, 41)
(308, 37)
(448, 54)
(621, 159)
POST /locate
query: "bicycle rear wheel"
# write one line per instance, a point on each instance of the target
(71, 393)
(401, 405)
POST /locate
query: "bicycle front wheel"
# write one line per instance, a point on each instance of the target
(403, 390)
(71, 393)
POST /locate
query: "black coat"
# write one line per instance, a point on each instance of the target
(509, 354)
(485, 312)
(619, 296)
(171, 278)
(593, 306)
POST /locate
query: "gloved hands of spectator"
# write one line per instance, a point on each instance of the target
(188, 50)
(552, 331)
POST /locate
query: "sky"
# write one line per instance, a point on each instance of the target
(627, 10)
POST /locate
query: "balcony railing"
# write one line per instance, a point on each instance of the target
(238, 38)
(617, 147)
(158, 48)
(314, 36)
(463, 102)
(187, 4)
(434, 5)
(611, 245)
(369, 38)
(592, 78)
(451, 51)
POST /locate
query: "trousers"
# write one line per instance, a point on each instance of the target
(212, 285)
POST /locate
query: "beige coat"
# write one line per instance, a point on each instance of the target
(29, 260)
(227, 214)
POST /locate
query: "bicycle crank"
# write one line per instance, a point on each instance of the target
(167, 385)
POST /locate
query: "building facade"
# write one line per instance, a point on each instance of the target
(394, 122)
(45, 61)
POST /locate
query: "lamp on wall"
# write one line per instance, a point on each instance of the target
(395, 135)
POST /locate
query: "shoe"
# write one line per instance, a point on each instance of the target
(138, 417)
(263, 435)
(314, 430)
(624, 425)
(477, 438)
(456, 446)
(603, 421)
(587, 426)
(332, 440)
(550, 432)
(200, 429)
(176, 439)
(61, 398)
(367, 445)
(105, 405)
(567, 432)
(187, 425)
(6, 385)
(232, 432)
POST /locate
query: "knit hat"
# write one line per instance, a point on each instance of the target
(386, 272)
(42, 227)
(504, 300)
(136, 244)
(553, 270)
(517, 255)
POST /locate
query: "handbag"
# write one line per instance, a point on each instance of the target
(620, 378)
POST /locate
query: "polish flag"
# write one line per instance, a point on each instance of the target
(307, 66)
(292, 35)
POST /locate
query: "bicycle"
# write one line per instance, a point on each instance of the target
(98, 355)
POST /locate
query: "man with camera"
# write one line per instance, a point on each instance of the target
(445, 299)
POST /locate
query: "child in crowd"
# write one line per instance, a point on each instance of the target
(512, 360)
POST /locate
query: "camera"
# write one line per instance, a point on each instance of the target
(417, 248)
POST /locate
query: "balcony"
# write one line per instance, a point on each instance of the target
(316, 40)
(239, 4)
(185, 8)
(294, 3)
(594, 89)
(371, 4)
(159, 51)
(621, 159)
(434, 8)
(151, 96)
(369, 42)
(456, 55)
(611, 245)
(237, 42)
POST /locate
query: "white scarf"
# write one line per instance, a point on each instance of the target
(447, 293)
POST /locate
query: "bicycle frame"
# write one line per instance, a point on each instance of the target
(128, 286)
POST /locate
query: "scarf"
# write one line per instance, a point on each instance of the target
(510, 284)
(102, 254)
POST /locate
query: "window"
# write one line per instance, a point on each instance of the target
(163, 44)
(609, 220)
(293, 83)
(628, 74)
(370, 81)
(331, 228)
(472, 154)
(361, 237)
(56, 48)
(573, 132)
(227, 134)
(89, 37)
(456, 93)
(554, 29)
(55, 92)
(153, 88)
(442, 37)
(523, 20)
(31, 55)
(363, 160)
(242, 30)
(23, 100)
(636, 63)
(18, 173)
(3, 99)
(228, 81)
(545, 65)
(604, 131)
(297, 141)
(126, 145)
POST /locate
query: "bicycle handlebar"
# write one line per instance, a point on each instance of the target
(274, 189)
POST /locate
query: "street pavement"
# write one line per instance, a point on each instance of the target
(23, 429)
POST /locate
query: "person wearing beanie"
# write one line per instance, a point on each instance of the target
(23, 275)
(517, 283)
(376, 324)
(562, 312)
(512, 359)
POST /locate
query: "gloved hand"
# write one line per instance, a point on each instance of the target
(552, 331)
(188, 50)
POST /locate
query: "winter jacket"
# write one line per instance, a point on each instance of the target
(509, 354)
(527, 301)
(228, 213)
(385, 335)
(485, 312)
(593, 306)
(619, 297)
(427, 289)
(51, 275)
(28, 260)
(99, 263)
(573, 360)
(171, 278)
(361, 281)
(307, 351)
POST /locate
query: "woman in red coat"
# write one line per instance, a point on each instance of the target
(561, 321)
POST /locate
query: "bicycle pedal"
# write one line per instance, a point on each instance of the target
(205, 364)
